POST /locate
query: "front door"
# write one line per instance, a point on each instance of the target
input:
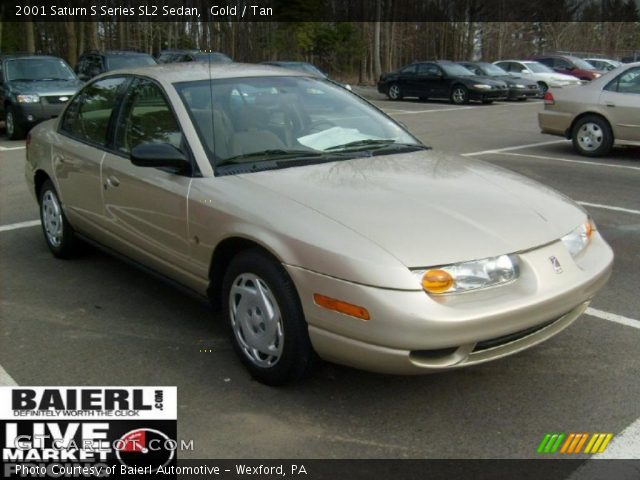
(146, 207)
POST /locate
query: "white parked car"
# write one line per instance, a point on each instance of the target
(543, 75)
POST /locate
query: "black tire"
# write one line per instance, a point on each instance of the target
(15, 130)
(543, 87)
(459, 95)
(487, 102)
(295, 357)
(523, 99)
(394, 92)
(64, 244)
(592, 136)
(423, 99)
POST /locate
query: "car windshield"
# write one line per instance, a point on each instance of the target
(117, 62)
(537, 67)
(279, 121)
(213, 57)
(458, 70)
(492, 70)
(582, 64)
(33, 69)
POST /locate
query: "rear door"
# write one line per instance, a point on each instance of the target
(621, 100)
(146, 207)
(407, 79)
(80, 147)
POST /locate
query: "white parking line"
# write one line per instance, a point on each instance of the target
(5, 379)
(16, 226)
(568, 160)
(609, 207)
(517, 147)
(411, 112)
(626, 445)
(2, 149)
(612, 317)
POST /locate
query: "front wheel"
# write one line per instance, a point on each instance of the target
(15, 130)
(395, 92)
(268, 329)
(592, 136)
(543, 87)
(459, 95)
(58, 233)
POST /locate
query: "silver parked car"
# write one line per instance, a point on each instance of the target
(318, 223)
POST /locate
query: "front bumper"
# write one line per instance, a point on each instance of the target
(495, 94)
(518, 93)
(33, 113)
(410, 332)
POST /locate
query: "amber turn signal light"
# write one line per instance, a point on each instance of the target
(437, 281)
(341, 307)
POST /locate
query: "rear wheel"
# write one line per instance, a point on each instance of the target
(592, 136)
(395, 92)
(459, 95)
(15, 130)
(58, 233)
(268, 329)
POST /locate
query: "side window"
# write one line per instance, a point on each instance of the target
(409, 69)
(146, 118)
(546, 61)
(428, 69)
(561, 63)
(94, 65)
(87, 117)
(628, 82)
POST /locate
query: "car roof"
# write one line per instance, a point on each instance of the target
(194, 71)
(14, 56)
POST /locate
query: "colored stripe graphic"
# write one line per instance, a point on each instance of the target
(573, 443)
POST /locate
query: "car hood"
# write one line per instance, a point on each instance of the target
(428, 208)
(47, 87)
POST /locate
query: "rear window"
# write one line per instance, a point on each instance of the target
(117, 62)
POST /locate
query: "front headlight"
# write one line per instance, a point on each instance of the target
(28, 98)
(467, 276)
(482, 86)
(579, 238)
(520, 86)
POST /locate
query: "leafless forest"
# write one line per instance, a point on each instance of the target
(354, 51)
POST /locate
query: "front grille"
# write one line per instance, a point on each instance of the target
(512, 337)
(57, 99)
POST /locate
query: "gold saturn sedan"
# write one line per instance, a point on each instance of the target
(319, 225)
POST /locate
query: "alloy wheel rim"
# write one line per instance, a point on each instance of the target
(394, 91)
(590, 136)
(458, 95)
(9, 123)
(256, 320)
(52, 218)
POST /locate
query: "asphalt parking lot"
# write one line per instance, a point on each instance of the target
(98, 321)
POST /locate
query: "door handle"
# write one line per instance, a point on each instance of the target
(113, 181)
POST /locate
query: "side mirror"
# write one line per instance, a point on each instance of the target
(159, 155)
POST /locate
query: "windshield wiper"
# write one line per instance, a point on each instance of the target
(52, 79)
(378, 144)
(273, 154)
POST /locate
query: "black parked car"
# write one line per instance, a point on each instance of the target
(94, 62)
(519, 88)
(33, 88)
(192, 55)
(441, 79)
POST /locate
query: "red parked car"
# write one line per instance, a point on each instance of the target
(569, 66)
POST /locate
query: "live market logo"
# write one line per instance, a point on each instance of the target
(87, 431)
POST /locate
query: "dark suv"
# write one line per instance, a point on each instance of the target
(33, 88)
(94, 63)
(179, 56)
(569, 65)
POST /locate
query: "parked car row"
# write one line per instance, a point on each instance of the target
(34, 88)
